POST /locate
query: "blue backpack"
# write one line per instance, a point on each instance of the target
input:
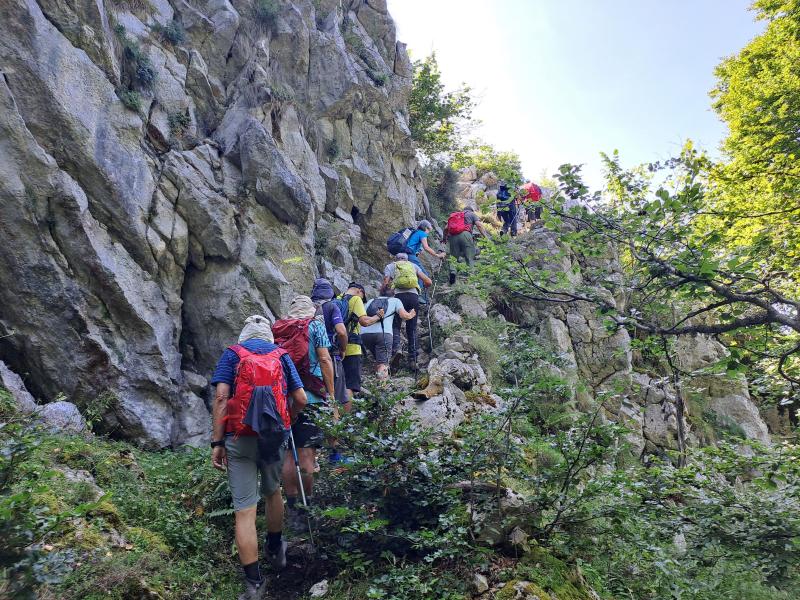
(397, 241)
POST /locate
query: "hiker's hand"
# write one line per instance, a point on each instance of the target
(442, 255)
(413, 313)
(219, 458)
(381, 313)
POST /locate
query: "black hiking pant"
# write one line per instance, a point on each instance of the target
(509, 218)
(410, 300)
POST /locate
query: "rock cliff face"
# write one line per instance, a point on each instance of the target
(169, 167)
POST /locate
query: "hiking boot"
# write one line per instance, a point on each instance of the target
(452, 279)
(255, 590)
(277, 559)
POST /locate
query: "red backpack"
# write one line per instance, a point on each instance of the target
(292, 336)
(256, 370)
(457, 223)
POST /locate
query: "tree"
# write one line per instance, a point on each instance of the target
(506, 165)
(435, 115)
(754, 194)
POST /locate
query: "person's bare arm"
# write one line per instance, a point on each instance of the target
(407, 314)
(365, 321)
(479, 225)
(426, 281)
(299, 402)
(219, 411)
(430, 250)
(326, 365)
(341, 336)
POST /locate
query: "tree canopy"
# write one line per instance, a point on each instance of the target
(434, 113)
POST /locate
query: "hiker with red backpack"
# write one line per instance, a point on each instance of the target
(259, 394)
(458, 233)
(404, 277)
(302, 334)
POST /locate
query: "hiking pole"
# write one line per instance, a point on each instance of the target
(430, 302)
(302, 487)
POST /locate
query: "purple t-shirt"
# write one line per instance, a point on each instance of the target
(332, 316)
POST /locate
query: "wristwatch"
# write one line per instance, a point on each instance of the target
(218, 443)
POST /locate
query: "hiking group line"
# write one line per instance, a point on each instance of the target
(272, 384)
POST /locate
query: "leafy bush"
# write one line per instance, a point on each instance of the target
(131, 99)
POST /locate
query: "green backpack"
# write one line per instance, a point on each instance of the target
(405, 276)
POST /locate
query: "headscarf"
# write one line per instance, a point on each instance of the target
(424, 224)
(301, 308)
(322, 290)
(256, 326)
(401, 256)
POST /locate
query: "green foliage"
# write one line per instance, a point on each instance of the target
(379, 78)
(131, 99)
(758, 97)
(172, 33)
(435, 115)
(440, 187)
(179, 122)
(506, 165)
(266, 11)
(57, 536)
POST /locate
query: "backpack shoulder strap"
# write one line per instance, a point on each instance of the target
(240, 351)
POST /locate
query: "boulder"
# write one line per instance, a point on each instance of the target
(62, 417)
(16, 387)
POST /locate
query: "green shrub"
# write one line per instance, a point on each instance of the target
(179, 122)
(266, 11)
(380, 79)
(172, 33)
(131, 99)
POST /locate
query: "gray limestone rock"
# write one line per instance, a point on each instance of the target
(16, 387)
(62, 417)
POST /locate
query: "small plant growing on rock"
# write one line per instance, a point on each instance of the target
(172, 33)
(131, 99)
(266, 11)
(179, 122)
(333, 150)
(380, 79)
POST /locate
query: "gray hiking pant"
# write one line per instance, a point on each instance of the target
(462, 246)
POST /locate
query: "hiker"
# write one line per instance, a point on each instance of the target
(530, 195)
(458, 234)
(417, 242)
(507, 210)
(302, 334)
(351, 304)
(269, 381)
(378, 338)
(404, 276)
(322, 296)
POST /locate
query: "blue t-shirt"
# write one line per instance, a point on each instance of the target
(414, 242)
(317, 338)
(226, 367)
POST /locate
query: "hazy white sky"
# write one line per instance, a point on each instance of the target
(562, 80)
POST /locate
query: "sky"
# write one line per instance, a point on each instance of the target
(560, 81)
